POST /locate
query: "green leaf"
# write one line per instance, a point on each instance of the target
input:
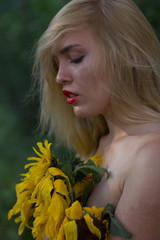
(90, 162)
(108, 212)
(67, 169)
(90, 168)
(96, 177)
(117, 229)
(84, 212)
(86, 193)
(115, 226)
(73, 196)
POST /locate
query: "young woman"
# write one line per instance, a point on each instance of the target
(100, 92)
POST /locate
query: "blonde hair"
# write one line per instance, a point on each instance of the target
(132, 50)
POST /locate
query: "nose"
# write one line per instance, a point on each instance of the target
(62, 75)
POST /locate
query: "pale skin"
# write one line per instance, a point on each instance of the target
(133, 188)
(131, 152)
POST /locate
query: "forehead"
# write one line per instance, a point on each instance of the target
(81, 38)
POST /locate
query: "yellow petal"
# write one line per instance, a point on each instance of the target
(47, 145)
(44, 154)
(61, 188)
(57, 207)
(60, 235)
(21, 228)
(50, 228)
(18, 219)
(57, 172)
(91, 226)
(96, 212)
(39, 154)
(90, 210)
(46, 188)
(80, 186)
(75, 211)
(13, 211)
(97, 159)
(25, 186)
(29, 165)
(45, 151)
(70, 230)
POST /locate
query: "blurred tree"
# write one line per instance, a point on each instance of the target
(21, 24)
(151, 10)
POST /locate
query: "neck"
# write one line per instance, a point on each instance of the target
(118, 129)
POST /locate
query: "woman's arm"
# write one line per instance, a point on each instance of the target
(139, 207)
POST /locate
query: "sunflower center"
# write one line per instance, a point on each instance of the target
(85, 234)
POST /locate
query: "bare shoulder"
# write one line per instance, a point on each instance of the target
(139, 206)
(147, 158)
(148, 155)
(153, 144)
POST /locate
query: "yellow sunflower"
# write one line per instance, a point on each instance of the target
(25, 189)
(41, 163)
(83, 223)
(51, 198)
(23, 206)
(44, 194)
(96, 225)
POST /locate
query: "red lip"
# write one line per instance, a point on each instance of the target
(67, 93)
(71, 97)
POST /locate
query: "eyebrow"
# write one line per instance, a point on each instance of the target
(67, 48)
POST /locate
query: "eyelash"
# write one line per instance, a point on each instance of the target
(77, 60)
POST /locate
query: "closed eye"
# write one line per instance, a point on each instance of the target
(77, 60)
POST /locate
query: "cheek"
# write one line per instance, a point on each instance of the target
(97, 84)
(86, 73)
(102, 98)
(101, 95)
(102, 87)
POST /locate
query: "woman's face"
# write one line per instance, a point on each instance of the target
(85, 85)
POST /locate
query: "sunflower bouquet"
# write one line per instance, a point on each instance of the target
(52, 196)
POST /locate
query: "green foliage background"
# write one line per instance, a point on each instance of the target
(22, 22)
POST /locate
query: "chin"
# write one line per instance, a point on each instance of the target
(83, 114)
